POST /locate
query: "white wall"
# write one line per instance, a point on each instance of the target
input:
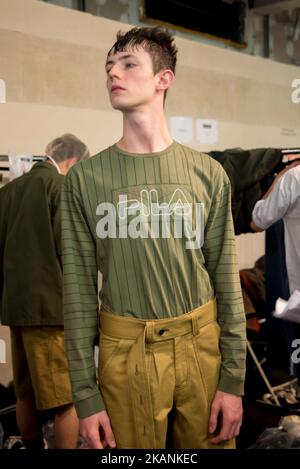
(52, 60)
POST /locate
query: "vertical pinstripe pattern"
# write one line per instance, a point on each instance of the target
(147, 277)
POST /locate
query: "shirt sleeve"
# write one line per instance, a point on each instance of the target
(274, 207)
(80, 299)
(222, 266)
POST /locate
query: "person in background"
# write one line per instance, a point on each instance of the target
(154, 217)
(282, 202)
(31, 293)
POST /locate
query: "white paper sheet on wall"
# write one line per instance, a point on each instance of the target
(207, 131)
(182, 129)
(2, 92)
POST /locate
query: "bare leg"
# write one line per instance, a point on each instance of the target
(66, 427)
(29, 424)
(28, 419)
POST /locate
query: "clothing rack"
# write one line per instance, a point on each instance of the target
(292, 150)
(35, 158)
(4, 159)
(290, 156)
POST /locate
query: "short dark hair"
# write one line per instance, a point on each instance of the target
(158, 42)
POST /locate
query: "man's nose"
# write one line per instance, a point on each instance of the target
(114, 71)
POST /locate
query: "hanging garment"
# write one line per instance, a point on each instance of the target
(248, 172)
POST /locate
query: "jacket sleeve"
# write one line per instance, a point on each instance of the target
(221, 263)
(80, 299)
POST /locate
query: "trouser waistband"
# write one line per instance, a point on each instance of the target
(158, 329)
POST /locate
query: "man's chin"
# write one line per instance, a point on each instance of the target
(121, 107)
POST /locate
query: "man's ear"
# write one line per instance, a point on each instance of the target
(166, 78)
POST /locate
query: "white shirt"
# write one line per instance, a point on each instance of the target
(284, 202)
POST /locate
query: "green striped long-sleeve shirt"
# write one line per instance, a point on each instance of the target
(159, 228)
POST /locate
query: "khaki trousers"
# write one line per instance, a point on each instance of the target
(158, 378)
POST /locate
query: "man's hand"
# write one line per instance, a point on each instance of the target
(227, 409)
(255, 228)
(97, 432)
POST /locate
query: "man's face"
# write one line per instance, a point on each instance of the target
(131, 82)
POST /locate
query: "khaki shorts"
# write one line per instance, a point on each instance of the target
(40, 366)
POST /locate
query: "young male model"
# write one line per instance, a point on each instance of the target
(154, 218)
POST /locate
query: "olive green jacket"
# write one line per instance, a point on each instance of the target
(30, 248)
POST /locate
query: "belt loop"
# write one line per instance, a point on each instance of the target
(195, 325)
(149, 331)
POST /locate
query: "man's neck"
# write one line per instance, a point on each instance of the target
(62, 168)
(144, 132)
